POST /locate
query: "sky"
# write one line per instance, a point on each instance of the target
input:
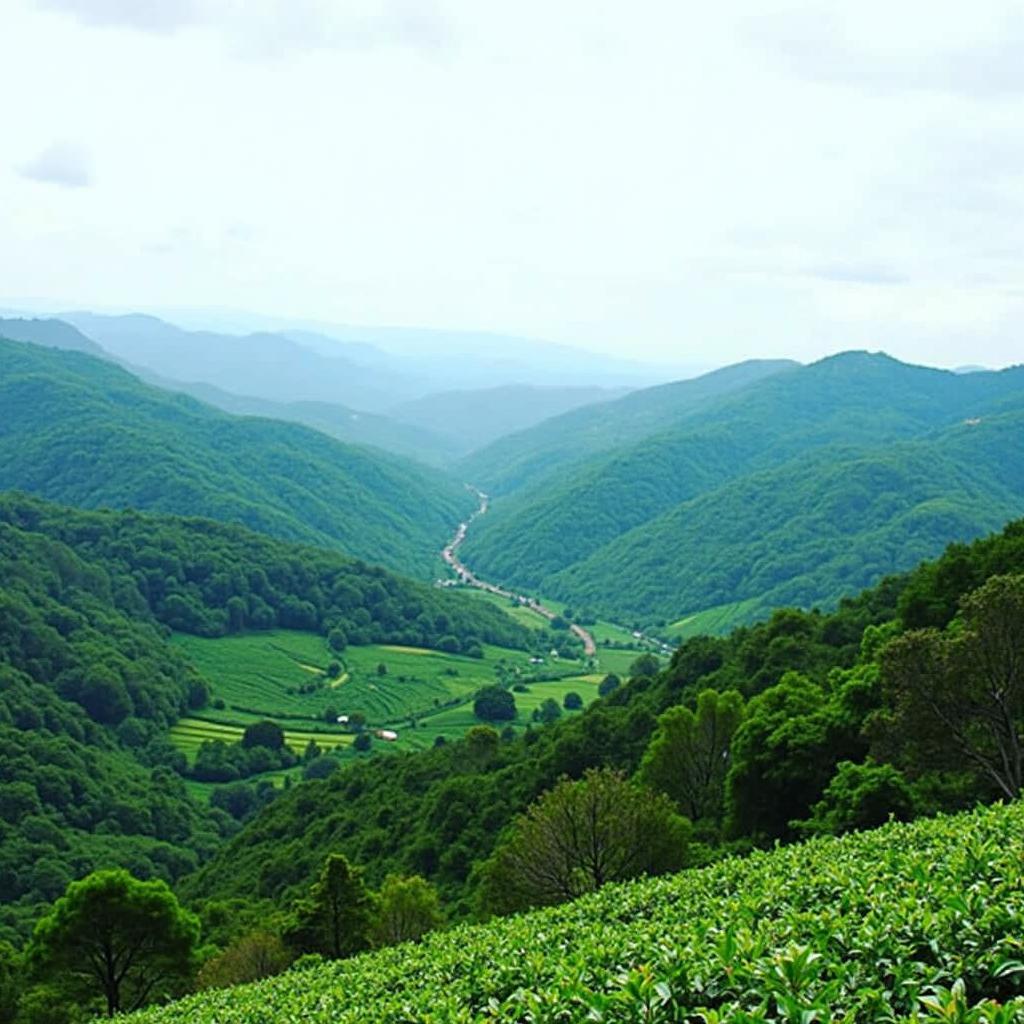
(662, 180)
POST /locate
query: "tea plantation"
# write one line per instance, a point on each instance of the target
(919, 922)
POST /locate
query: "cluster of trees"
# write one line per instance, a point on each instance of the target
(211, 579)
(112, 943)
(87, 692)
(261, 748)
(807, 722)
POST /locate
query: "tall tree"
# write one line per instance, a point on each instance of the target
(113, 936)
(336, 917)
(689, 754)
(580, 835)
(960, 692)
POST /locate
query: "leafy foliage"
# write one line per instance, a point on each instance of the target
(812, 686)
(906, 924)
(581, 835)
(115, 937)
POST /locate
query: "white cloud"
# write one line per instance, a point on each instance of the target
(661, 179)
(62, 163)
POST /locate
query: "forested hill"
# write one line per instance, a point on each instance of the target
(82, 431)
(89, 685)
(549, 448)
(814, 699)
(845, 462)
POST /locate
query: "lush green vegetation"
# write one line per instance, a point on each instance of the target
(908, 923)
(85, 432)
(799, 488)
(556, 444)
(812, 698)
(813, 530)
(92, 691)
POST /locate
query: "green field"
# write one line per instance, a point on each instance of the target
(189, 734)
(910, 923)
(281, 675)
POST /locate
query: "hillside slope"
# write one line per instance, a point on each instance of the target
(351, 426)
(478, 417)
(442, 813)
(89, 683)
(49, 334)
(812, 530)
(533, 539)
(87, 433)
(875, 926)
(548, 448)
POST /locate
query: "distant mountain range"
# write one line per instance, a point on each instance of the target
(350, 390)
(693, 505)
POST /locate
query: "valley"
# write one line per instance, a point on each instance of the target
(228, 666)
(511, 514)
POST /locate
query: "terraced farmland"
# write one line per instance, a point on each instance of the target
(188, 734)
(910, 923)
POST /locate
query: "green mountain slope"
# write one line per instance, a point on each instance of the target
(87, 433)
(562, 441)
(535, 537)
(89, 683)
(812, 530)
(875, 926)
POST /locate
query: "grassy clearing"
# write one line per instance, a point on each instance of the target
(266, 674)
(421, 695)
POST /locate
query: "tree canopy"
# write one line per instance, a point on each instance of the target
(112, 936)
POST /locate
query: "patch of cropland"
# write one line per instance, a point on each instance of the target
(905, 923)
(85, 432)
(418, 694)
(803, 486)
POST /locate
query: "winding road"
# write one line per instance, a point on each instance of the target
(466, 576)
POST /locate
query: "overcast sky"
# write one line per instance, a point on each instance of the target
(655, 178)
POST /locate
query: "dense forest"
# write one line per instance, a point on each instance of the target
(810, 751)
(83, 431)
(842, 460)
(90, 685)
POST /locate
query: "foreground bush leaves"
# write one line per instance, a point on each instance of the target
(921, 922)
